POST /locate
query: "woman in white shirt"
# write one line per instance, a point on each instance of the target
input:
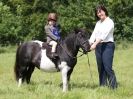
(102, 41)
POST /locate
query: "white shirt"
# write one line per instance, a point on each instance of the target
(103, 30)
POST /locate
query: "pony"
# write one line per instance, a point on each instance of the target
(36, 53)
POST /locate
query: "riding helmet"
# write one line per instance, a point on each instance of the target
(52, 16)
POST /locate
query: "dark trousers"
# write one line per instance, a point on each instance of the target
(104, 56)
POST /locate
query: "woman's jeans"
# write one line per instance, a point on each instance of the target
(104, 56)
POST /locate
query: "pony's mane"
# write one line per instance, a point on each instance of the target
(73, 33)
(70, 35)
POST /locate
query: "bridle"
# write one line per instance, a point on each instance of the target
(69, 54)
(84, 42)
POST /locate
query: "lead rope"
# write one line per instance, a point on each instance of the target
(90, 69)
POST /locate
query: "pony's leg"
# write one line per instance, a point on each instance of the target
(21, 76)
(29, 73)
(19, 82)
(68, 77)
(69, 74)
(64, 72)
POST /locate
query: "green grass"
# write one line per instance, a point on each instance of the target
(47, 85)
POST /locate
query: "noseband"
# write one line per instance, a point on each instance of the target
(84, 42)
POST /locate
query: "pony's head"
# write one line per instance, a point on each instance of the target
(82, 39)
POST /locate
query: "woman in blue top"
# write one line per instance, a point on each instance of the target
(102, 41)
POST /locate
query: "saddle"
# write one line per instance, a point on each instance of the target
(48, 51)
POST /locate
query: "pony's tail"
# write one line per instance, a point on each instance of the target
(16, 66)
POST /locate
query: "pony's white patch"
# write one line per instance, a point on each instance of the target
(46, 64)
(39, 42)
(19, 82)
(63, 64)
(64, 70)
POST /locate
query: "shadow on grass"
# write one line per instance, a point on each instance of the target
(81, 85)
(71, 85)
(41, 82)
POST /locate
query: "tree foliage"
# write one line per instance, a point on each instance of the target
(22, 20)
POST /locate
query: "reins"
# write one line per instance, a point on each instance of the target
(67, 51)
(78, 50)
(70, 54)
(81, 54)
(90, 68)
(88, 65)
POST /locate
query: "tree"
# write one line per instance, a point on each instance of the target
(22, 20)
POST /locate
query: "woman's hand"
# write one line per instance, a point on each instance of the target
(93, 46)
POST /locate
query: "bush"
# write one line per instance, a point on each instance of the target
(22, 20)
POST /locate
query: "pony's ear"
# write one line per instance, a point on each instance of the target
(76, 30)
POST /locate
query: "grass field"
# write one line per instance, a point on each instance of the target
(47, 85)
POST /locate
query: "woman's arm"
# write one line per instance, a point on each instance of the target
(93, 46)
(93, 36)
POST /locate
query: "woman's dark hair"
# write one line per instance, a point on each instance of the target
(100, 7)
